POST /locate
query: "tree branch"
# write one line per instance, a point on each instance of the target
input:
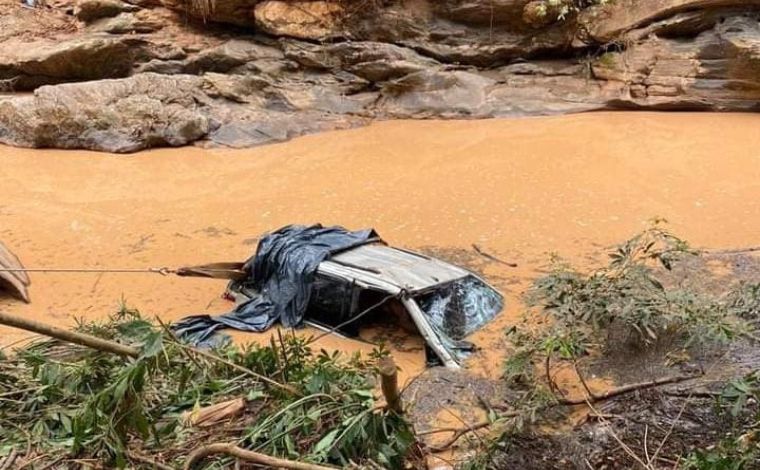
(249, 456)
(630, 388)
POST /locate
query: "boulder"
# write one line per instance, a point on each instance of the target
(487, 53)
(373, 61)
(311, 19)
(433, 33)
(437, 93)
(546, 90)
(125, 23)
(109, 115)
(324, 93)
(265, 128)
(687, 24)
(15, 283)
(231, 54)
(83, 58)
(91, 10)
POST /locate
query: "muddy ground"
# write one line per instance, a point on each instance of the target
(660, 426)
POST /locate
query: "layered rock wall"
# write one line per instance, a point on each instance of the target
(123, 76)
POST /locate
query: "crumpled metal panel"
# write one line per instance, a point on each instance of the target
(409, 271)
(14, 282)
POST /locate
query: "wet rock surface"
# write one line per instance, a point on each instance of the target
(115, 115)
(262, 71)
(90, 57)
(150, 110)
(91, 10)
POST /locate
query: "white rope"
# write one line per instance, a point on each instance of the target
(163, 271)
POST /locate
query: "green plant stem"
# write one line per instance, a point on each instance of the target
(267, 380)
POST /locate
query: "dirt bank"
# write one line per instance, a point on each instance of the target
(519, 189)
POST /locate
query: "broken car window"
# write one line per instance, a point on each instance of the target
(461, 307)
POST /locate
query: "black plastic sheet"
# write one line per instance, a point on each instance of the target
(282, 271)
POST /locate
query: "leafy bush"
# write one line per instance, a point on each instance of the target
(583, 310)
(64, 401)
(559, 10)
(733, 453)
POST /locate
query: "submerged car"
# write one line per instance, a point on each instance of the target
(445, 303)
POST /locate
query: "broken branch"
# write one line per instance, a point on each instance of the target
(482, 253)
(68, 336)
(458, 433)
(148, 461)
(249, 456)
(734, 251)
(629, 388)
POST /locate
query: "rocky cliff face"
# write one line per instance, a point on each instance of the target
(123, 76)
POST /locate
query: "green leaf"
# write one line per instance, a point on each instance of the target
(255, 395)
(362, 393)
(153, 345)
(135, 329)
(738, 405)
(325, 444)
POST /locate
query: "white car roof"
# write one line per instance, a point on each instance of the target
(381, 267)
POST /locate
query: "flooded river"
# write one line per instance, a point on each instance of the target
(518, 189)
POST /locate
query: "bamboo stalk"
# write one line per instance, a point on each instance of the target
(113, 347)
(389, 384)
(69, 336)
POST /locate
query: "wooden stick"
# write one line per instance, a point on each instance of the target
(735, 251)
(482, 253)
(8, 461)
(148, 461)
(629, 388)
(68, 336)
(262, 459)
(389, 383)
(459, 433)
(583, 381)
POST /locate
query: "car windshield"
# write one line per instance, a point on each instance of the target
(460, 307)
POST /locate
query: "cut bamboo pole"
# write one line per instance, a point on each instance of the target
(389, 384)
(113, 347)
(69, 336)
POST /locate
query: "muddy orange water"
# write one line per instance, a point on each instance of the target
(519, 189)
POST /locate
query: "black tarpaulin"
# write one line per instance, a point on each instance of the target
(282, 271)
